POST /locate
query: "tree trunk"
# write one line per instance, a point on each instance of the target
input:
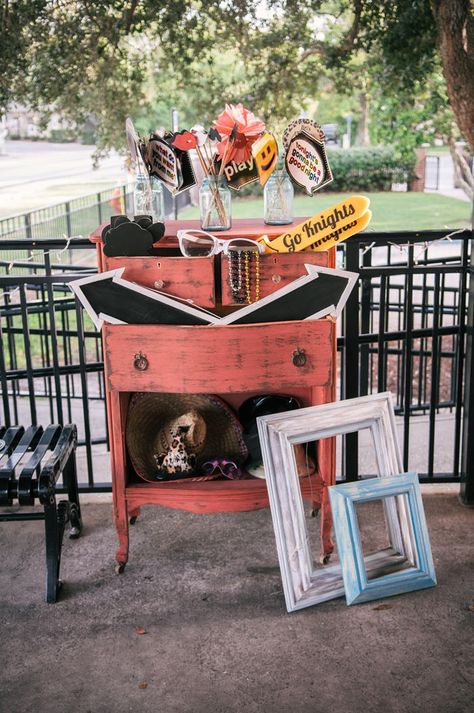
(363, 138)
(455, 30)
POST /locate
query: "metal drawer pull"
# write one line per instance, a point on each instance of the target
(140, 362)
(299, 357)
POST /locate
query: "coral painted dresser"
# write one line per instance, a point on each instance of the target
(233, 361)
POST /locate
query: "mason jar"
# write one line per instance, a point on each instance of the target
(157, 200)
(142, 195)
(215, 203)
(278, 199)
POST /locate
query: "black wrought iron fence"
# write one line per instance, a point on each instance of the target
(51, 366)
(78, 216)
(408, 329)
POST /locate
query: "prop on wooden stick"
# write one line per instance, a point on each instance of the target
(265, 154)
(238, 129)
(325, 229)
(167, 158)
(306, 160)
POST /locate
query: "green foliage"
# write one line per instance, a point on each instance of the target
(390, 211)
(401, 34)
(368, 169)
(357, 169)
(408, 119)
(117, 58)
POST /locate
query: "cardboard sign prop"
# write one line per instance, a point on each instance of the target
(131, 238)
(309, 126)
(323, 291)
(135, 147)
(265, 154)
(306, 163)
(325, 229)
(106, 297)
(170, 163)
(238, 174)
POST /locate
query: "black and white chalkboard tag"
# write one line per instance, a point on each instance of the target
(322, 292)
(108, 297)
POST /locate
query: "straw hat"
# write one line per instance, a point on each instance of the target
(209, 429)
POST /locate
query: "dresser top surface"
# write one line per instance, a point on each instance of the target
(249, 227)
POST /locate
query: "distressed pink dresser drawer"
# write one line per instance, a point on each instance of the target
(187, 278)
(227, 359)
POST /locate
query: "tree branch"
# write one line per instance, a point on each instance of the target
(353, 33)
(347, 43)
(130, 15)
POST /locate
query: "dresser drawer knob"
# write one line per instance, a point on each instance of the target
(299, 357)
(140, 362)
(159, 284)
(276, 278)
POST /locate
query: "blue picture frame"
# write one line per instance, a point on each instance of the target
(418, 573)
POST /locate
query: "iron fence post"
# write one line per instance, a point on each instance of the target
(67, 207)
(99, 208)
(124, 198)
(28, 226)
(351, 362)
(466, 494)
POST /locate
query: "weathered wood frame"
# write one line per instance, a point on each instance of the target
(420, 573)
(303, 584)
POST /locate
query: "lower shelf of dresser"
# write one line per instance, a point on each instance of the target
(213, 496)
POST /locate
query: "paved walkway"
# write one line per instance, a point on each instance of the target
(34, 174)
(446, 179)
(207, 592)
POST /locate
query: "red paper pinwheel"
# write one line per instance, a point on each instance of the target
(239, 129)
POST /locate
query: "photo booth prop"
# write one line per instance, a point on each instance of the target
(323, 291)
(404, 490)
(305, 584)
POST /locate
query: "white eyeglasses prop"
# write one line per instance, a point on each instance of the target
(198, 243)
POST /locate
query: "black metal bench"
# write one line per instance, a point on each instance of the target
(23, 479)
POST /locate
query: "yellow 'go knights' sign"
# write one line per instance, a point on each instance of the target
(324, 230)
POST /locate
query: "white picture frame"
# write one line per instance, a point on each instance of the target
(303, 584)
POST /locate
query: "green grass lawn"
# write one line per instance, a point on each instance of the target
(390, 211)
(436, 150)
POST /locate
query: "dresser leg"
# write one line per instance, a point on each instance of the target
(134, 514)
(327, 454)
(326, 527)
(121, 526)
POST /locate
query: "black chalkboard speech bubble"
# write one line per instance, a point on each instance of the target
(322, 292)
(107, 297)
(130, 238)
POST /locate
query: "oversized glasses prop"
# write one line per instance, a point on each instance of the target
(227, 468)
(198, 243)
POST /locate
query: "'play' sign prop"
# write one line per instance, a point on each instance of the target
(324, 230)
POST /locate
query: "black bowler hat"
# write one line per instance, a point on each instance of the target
(250, 410)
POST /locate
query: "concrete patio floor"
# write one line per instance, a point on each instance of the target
(207, 591)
